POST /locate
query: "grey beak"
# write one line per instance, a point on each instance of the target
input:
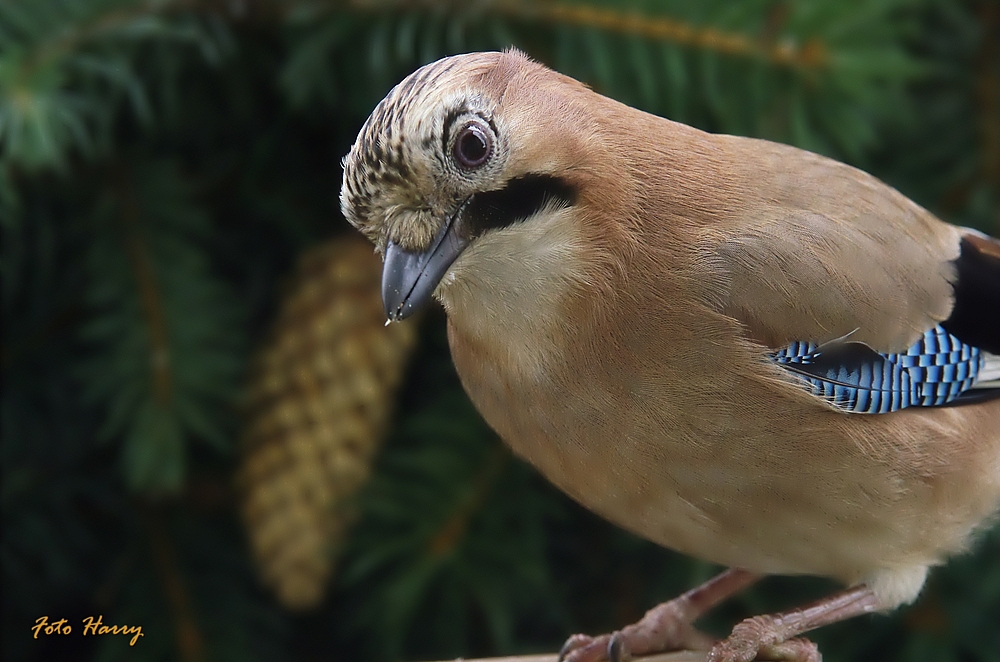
(409, 279)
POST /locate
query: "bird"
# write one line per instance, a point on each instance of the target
(737, 349)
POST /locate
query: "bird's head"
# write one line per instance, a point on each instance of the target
(465, 166)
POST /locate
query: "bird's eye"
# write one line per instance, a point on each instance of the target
(473, 146)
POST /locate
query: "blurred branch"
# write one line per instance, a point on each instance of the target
(454, 528)
(189, 639)
(983, 95)
(149, 294)
(661, 28)
(70, 36)
(988, 92)
(64, 68)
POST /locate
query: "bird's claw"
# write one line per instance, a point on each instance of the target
(746, 644)
(663, 628)
(584, 648)
(758, 639)
(618, 650)
(793, 650)
(607, 647)
(572, 643)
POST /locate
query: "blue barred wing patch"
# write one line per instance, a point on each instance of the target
(856, 378)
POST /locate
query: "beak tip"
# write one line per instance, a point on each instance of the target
(396, 306)
(396, 309)
(409, 279)
(399, 312)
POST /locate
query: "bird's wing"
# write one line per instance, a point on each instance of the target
(939, 369)
(809, 277)
(875, 302)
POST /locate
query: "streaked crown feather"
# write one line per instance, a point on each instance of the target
(381, 170)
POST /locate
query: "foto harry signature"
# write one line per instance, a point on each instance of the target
(90, 626)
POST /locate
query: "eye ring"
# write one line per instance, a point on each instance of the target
(473, 146)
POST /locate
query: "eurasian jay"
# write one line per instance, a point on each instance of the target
(737, 349)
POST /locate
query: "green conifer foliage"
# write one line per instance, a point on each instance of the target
(163, 163)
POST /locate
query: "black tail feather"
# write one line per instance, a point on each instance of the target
(975, 319)
(975, 396)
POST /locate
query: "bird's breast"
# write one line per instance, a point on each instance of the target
(631, 434)
(696, 441)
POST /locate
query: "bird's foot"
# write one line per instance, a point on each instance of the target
(760, 638)
(666, 627)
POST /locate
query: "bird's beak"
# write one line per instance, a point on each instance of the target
(409, 279)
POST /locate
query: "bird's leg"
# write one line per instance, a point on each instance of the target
(769, 637)
(664, 627)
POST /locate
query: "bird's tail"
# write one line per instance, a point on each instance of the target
(987, 384)
(975, 317)
(989, 375)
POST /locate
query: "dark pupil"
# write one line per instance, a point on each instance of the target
(472, 147)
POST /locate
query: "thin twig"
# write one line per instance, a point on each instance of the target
(189, 639)
(663, 28)
(811, 55)
(149, 292)
(455, 527)
(988, 96)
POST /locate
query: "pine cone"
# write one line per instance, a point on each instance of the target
(320, 397)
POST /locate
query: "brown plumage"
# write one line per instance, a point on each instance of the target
(615, 283)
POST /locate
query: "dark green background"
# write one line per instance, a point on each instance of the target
(205, 137)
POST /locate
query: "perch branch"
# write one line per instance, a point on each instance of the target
(679, 656)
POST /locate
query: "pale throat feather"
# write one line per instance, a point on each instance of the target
(509, 289)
